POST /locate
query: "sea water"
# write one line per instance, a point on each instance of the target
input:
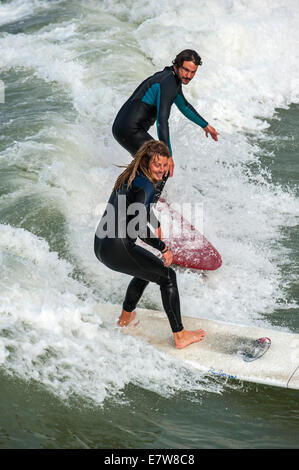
(67, 378)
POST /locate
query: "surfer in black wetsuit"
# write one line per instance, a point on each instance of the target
(152, 101)
(116, 234)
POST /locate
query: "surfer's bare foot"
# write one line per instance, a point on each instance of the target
(127, 318)
(184, 338)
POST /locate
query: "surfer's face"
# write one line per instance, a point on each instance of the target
(158, 166)
(186, 71)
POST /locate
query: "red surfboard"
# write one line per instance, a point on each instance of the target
(191, 249)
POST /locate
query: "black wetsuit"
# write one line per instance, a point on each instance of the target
(116, 248)
(151, 102)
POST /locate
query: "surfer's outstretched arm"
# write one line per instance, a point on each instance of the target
(190, 113)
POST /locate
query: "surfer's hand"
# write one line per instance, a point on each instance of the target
(167, 258)
(170, 167)
(213, 133)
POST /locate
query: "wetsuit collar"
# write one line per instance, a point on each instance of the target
(173, 71)
(170, 68)
(140, 172)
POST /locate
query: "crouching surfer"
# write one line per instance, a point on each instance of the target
(117, 232)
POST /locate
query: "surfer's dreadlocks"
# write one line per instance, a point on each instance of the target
(141, 162)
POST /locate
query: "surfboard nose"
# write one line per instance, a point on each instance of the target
(190, 249)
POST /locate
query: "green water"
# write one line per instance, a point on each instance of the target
(279, 158)
(246, 417)
(45, 161)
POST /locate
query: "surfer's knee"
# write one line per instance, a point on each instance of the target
(172, 276)
(169, 280)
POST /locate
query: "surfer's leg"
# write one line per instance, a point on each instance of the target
(151, 268)
(130, 139)
(171, 299)
(171, 304)
(134, 292)
(127, 128)
(133, 295)
(146, 267)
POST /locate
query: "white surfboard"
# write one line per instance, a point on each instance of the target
(224, 349)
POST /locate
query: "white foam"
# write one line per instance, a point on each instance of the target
(243, 46)
(15, 10)
(51, 335)
(231, 90)
(98, 59)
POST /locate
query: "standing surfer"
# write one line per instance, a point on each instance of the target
(117, 232)
(152, 101)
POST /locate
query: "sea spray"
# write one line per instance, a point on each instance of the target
(59, 162)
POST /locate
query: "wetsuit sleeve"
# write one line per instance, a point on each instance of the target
(148, 236)
(144, 195)
(188, 110)
(164, 102)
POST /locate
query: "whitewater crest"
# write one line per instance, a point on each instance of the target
(66, 73)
